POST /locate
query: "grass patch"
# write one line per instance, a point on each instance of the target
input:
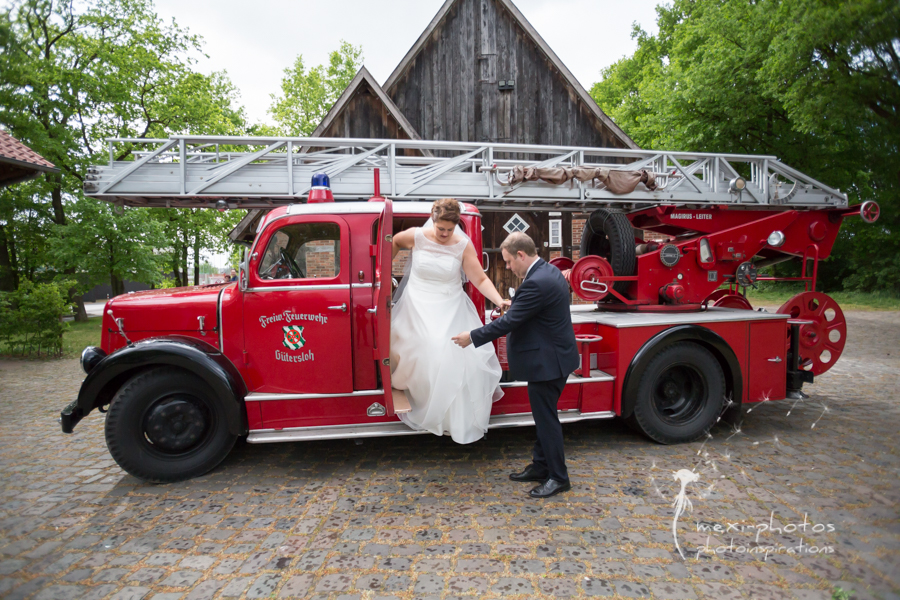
(81, 335)
(846, 300)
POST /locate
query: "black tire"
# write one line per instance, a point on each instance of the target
(681, 394)
(608, 233)
(165, 425)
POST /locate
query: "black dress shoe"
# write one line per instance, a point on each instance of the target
(551, 487)
(531, 473)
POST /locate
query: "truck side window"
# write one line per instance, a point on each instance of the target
(303, 251)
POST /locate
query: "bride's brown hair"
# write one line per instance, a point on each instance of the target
(446, 209)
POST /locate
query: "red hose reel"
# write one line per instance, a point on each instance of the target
(588, 277)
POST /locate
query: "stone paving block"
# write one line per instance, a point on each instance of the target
(61, 592)
(181, 578)
(672, 591)
(334, 583)
(558, 587)
(429, 584)
(264, 586)
(766, 592)
(593, 586)
(479, 566)
(717, 590)
(527, 567)
(236, 587)
(630, 589)
(464, 584)
(297, 586)
(103, 591)
(131, 593)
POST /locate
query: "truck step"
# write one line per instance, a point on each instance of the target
(367, 430)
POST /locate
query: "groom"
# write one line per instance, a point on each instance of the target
(541, 350)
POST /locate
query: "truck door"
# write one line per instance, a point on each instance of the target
(296, 308)
(382, 249)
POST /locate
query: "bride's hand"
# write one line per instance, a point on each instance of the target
(505, 304)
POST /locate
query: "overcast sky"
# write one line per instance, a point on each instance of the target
(255, 41)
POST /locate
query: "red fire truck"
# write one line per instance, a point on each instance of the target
(298, 348)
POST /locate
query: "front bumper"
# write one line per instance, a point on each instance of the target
(70, 416)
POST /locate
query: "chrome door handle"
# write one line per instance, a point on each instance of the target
(777, 359)
(372, 310)
(342, 307)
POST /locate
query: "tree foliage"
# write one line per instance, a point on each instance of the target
(31, 319)
(814, 82)
(72, 75)
(307, 95)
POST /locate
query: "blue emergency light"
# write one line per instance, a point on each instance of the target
(320, 190)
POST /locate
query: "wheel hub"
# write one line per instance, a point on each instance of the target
(175, 424)
(679, 394)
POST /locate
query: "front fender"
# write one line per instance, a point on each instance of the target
(187, 353)
(707, 338)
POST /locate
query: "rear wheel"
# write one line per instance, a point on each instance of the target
(608, 233)
(165, 425)
(681, 394)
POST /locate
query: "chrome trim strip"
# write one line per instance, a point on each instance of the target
(260, 397)
(624, 320)
(360, 285)
(573, 379)
(294, 288)
(219, 318)
(391, 428)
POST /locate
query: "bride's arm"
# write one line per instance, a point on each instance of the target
(402, 241)
(472, 268)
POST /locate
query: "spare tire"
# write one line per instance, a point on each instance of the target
(608, 233)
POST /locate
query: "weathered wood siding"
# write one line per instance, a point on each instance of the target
(365, 117)
(451, 89)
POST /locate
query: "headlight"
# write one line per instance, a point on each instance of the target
(90, 357)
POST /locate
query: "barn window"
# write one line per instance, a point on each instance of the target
(556, 233)
(516, 223)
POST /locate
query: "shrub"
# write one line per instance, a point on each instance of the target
(31, 319)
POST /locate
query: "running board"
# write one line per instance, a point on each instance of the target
(369, 430)
(596, 376)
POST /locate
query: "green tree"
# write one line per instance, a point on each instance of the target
(72, 75)
(307, 95)
(814, 82)
(189, 232)
(103, 243)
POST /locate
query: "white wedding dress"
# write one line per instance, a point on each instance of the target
(450, 389)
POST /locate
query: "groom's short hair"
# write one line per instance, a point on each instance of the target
(519, 242)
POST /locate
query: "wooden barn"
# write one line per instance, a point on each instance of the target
(481, 72)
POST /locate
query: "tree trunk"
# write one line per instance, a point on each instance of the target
(8, 275)
(117, 285)
(184, 259)
(197, 258)
(59, 213)
(80, 312)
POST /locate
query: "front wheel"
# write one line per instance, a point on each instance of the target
(165, 425)
(681, 394)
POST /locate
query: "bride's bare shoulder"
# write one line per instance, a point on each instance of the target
(405, 238)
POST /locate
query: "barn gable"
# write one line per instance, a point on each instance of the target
(365, 111)
(481, 72)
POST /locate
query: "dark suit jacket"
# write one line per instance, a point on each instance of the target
(541, 343)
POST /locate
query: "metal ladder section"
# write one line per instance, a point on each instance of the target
(265, 172)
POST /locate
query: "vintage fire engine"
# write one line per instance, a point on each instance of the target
(298, 348)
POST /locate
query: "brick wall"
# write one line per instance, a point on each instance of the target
(321, 259)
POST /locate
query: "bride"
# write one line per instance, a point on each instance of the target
(450, 389)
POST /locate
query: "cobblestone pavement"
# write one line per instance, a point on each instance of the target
(423, 517)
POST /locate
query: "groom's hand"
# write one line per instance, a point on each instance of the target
(462, 339)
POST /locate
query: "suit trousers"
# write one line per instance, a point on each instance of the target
(548, 451)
